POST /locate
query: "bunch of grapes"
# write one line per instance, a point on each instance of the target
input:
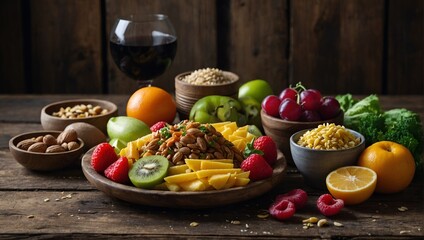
(301, 104)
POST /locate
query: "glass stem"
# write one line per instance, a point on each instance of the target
(144, 83)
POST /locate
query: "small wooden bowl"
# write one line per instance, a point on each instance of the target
(281, 130)
(50, 122)
(44, 161)
(187, 94)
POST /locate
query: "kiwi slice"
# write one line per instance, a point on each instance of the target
(149, 171)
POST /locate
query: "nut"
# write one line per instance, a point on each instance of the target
(67, 136)
(310, 220)
(39, 139)
(322, 222)
(64, 145)
(25, 144)
(55, 149)
(337, 224)
(49, 140)
(72, 145)
(80, 111)
(38, 147)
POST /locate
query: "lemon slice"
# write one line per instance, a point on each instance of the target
(352, 184)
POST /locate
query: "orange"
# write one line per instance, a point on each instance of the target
(151, 105)
(393, 163)
(352, 184)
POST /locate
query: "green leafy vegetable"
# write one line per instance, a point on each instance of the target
(398, 125)
(346, 101)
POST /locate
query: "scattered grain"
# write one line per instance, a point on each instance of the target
(402, 209)
(194, 224)
(337, 224)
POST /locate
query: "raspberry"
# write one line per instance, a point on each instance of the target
(329, 206)
(296, 196)
(157, 126)
(118, 171)
(103, 156)
(258, 167)
(282, 210)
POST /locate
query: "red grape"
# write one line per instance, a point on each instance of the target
(290, 110)
(310, 99)
(310, 116)
(288, 93)
(316, 92)
(270, 105)
(329, 108)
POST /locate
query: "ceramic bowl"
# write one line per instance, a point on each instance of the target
(281, 130)
(44, 161)
(186, 94)
(315, 164)
(50, 122)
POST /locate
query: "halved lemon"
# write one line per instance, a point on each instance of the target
(352, 184)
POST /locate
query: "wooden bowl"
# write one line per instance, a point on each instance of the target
(44, 161)
(187, 94)
(188, 200)
(50, 122)
(281, 130)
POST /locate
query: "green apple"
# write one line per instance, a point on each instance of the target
(117, 144)
(126, 129)
(257, 89)
(215, 108)
(252, 108)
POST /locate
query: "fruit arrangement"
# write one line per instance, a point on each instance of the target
(189, 156)
(221, 145)
(301, 104)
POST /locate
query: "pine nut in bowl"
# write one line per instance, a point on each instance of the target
(191, 86)
(318, 151)
(46, 150)
(58, 115)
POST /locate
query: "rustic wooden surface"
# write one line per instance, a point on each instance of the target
(362, 46)
(64, 205)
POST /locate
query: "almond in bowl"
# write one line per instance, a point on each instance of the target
(47, 150)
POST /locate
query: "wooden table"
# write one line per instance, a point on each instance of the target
(63, 204)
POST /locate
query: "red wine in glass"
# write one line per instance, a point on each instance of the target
(143, 47)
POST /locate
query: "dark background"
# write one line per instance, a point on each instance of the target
(356, 46)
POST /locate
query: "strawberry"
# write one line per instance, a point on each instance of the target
(329, 206)
(118, 171)
(268, 147)
(282, 210)
(258, 167)
(103, 156)
(157, 126)
(296, 196)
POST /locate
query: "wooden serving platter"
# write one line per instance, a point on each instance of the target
(190, 200)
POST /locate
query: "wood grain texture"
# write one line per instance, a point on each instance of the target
(66, 46)
(358, 46)
(405, 68)
(12, 77)
(256, 41)
(195, 25)
(92, 213)
(337, 46)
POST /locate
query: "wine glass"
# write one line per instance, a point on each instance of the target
(143, 46)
